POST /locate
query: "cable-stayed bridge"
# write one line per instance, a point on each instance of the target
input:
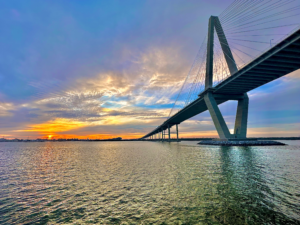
(225, 68)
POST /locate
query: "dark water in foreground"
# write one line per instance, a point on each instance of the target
(148, 183)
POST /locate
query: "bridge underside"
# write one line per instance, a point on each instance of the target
(280, 60)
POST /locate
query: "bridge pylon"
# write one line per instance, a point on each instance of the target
(240, 129)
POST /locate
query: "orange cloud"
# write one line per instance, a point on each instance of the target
(57, 125)
(94, 136)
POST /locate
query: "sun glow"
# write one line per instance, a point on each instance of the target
(57, 125)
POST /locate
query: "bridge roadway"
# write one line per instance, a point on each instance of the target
(280, 60)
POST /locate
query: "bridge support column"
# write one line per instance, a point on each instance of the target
(210, 54)
(216, 116)
(177, 131)
(169, 133)
(214, 23)
(240, 127)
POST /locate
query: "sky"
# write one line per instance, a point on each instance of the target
(104, 69)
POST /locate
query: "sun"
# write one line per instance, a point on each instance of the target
(49, 137)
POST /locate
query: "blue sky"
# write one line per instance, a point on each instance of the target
(113, 68)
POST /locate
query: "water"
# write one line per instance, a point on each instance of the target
(148, 183)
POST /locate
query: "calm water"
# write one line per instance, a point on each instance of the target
(148, 183)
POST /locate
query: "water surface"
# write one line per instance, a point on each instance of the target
(148, 183)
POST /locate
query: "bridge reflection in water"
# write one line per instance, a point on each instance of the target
(237, 185)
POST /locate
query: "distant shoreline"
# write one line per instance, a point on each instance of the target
(181, 139)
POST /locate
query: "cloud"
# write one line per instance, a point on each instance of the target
(110, 98)
(54, 126)
(6, 108)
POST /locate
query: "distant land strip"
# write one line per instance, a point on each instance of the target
(120, 139)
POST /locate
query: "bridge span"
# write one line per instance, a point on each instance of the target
(282, 59)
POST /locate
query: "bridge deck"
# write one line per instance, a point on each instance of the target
(280, 60)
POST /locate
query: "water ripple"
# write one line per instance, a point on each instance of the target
(148, 183)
